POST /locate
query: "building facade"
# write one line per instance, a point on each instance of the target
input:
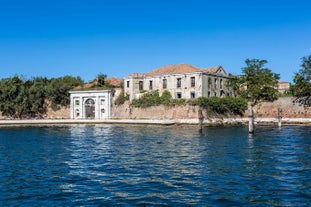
(283, 87)
(181, 80)
(93, 104)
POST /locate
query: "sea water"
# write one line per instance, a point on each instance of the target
(125, 165)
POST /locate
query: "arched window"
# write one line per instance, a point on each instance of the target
(90, 109)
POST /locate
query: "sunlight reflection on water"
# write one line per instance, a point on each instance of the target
(155, 165)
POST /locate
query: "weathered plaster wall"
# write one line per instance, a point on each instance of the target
(289, 110)
(156, 112)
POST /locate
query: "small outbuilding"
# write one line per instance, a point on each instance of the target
(92, 104)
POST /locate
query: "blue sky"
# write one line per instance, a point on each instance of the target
(53, 38)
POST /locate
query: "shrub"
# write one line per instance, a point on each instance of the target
(121, 99)
(166, 97)
(177, 102)
(227, 105)
(148, 99)
(154, 99)
(222, 105)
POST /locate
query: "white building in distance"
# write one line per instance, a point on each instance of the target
(181, 80)
(92, 104)
(283, 87)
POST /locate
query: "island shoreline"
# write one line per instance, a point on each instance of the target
(162, 122)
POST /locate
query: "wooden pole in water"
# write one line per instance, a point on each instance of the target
(250, 120)
(201, 118)
(280, 117)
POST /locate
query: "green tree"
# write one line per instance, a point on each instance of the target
(37, 93)
(58, 89)
(14, 97)
(302, 79)
(166, 97)
(256, 82)
(235, 84)
(101, 79)
(21, 98)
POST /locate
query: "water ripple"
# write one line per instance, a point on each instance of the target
(110, 165)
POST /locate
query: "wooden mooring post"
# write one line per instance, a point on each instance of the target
(201, 119)
(280, 117)
(250, 120)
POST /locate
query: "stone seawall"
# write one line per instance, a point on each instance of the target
(262, 110)
(125, 111)
(61, 113)
(289, 109)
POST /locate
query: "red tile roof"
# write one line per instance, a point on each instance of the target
(175, 69)
(211, 70)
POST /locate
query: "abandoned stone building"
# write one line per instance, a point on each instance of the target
(181, 80)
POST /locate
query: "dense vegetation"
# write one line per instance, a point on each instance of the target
(58, 90)
(21, 98)
(302, 79)
(256, 83)
(154, 99)
(227, 105)
(121, 99)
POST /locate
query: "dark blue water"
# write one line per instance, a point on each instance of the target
(111, 165)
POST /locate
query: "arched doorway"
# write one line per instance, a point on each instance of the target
(89, 109)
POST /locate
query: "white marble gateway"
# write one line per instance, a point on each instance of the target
(92, 104)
